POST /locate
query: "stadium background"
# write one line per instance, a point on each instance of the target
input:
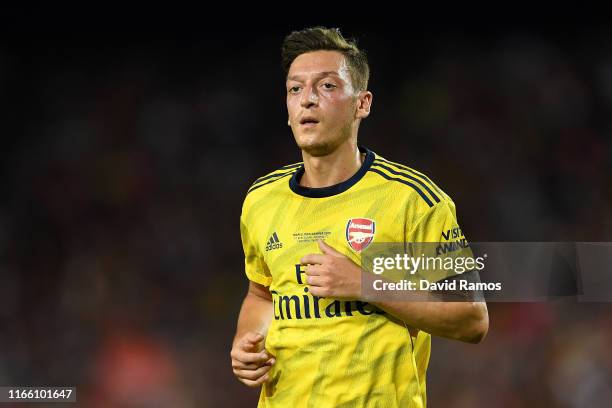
(126, 155)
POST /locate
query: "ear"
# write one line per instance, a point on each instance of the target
(364, 102)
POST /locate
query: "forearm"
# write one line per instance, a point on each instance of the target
(334, 275)
(255, 315)
(464, 321)
(250, 361)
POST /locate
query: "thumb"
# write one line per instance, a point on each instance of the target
(328, 250)
(251, 339)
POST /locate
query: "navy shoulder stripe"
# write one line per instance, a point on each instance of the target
(278, 171)
(407, 175)
(270, 179)
(272, 176)
(406, 182)
(413, 172)
(292, 166)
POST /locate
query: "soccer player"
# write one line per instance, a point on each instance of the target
(305, 332)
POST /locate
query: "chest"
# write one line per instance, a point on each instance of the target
(291, 228)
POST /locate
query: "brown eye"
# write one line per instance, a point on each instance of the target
(328, 85)
(294, 89)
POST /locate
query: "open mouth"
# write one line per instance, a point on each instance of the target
(308, 122)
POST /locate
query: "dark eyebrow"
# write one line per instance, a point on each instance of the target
(318, 74)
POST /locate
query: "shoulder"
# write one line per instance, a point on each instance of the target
(409, 182)
(272, 178)
(259, 193)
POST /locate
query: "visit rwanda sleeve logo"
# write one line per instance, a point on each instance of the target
(360, 233)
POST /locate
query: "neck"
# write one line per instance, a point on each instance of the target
(334, 168)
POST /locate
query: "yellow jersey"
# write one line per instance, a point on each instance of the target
(330, 352)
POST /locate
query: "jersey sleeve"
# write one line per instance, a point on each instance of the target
(254, 265)
(436, 234)
(439, 224)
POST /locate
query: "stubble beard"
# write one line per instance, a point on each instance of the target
(325, 147)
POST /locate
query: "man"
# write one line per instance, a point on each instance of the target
(305, 331)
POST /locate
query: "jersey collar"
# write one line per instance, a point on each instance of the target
(294, 181)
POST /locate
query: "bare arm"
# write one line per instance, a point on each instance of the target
(463, 321)
(256, 312)
(250, 362)
(333, 274)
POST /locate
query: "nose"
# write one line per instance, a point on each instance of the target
(309, 97)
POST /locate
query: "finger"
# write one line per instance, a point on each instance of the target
(252, 339)
(319, 291)
(328, 250)
(252, 345)
(246, 357)
(313, 270)
(252, 374)
(314, 280)
(239, 365)
(251, 366)
(255, 383)
(312, 259)
(252, 348)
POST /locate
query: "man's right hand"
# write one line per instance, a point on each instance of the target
(250, 361)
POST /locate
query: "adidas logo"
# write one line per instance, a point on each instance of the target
(273, 243)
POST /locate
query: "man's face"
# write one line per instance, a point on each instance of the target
(321, 101)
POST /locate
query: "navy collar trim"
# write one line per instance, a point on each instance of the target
(294, 181)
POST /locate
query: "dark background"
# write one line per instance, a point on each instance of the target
(128, 146)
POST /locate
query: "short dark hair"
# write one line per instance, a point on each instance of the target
(327, 39)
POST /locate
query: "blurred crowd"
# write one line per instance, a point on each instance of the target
(125, 165)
